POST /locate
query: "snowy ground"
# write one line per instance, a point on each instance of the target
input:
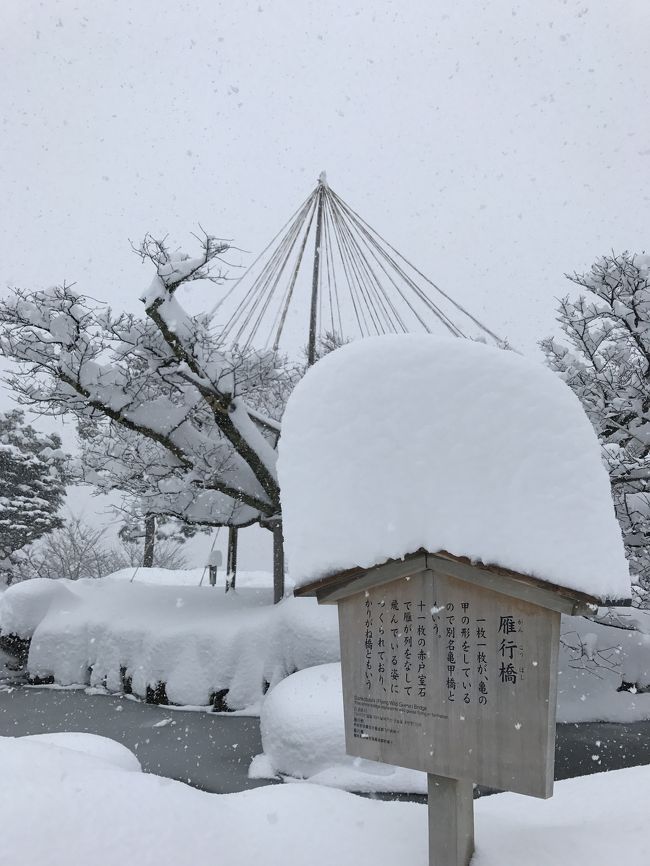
(89, 803)
(193, 577)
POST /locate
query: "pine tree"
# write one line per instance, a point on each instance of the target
(32, 485)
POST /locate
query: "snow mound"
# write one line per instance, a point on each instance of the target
(194, 641)
(102, 748)
(24, 605)
(303, 737)
(299, 723)
(399, 443)
(61, 807)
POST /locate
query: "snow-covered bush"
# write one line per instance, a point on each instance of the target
(183, 644)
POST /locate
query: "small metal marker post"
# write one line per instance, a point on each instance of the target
(214, 561)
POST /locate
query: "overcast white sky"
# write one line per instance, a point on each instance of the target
(496, 144)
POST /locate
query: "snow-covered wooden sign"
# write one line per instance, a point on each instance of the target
(453, 677)
(451, 498)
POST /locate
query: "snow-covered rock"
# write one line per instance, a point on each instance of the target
(301, 722)
(303, 737)
(61, 807)
(397, 443)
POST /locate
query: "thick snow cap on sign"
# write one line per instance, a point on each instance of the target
(397, 443)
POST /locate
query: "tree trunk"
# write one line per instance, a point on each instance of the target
(231, 562)
(278, 563)
(149, 540)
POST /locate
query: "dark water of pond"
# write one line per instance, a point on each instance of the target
(213, 751)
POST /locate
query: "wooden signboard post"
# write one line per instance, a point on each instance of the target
(451, 668)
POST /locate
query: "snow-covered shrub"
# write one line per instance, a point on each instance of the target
(303, 634)
(183, 644)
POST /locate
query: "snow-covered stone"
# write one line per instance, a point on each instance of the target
(303, 737)
(397, 443)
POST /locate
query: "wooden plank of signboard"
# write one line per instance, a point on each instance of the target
(510, 583)
(496, 726)
(527, 587)
(380, 574)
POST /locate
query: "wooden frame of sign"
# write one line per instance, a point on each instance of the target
(451, 668)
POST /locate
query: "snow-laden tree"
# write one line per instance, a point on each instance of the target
(607, 365)
(166, 411)
(32, 485)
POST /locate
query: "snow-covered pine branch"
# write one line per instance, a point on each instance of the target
(607, 364)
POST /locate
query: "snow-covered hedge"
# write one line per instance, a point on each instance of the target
(188, 645)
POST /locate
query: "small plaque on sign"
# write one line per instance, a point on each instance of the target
(451, 678)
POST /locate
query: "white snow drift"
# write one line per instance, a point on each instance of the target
(195, 640)
(397, 443)
(303, 737)
(71, 802)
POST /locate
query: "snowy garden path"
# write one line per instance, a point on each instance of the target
(213, 752)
